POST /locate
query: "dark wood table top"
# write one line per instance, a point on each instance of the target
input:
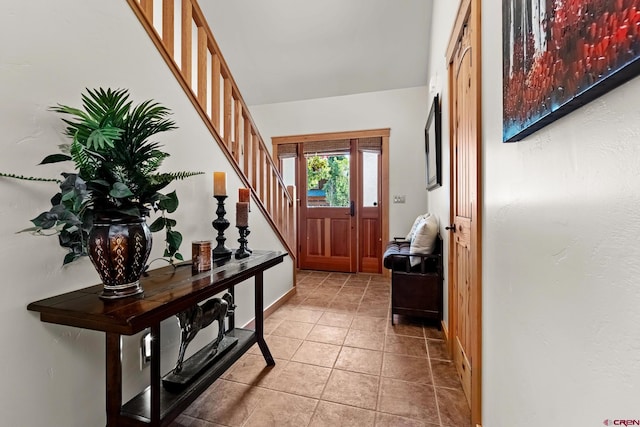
(167, 291)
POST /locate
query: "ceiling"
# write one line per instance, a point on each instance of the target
(289, 50)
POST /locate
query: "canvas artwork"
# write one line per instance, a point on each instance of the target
(561, 54)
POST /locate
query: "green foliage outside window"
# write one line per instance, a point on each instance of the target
(334, 171)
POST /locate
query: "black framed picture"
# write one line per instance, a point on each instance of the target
(560, 55)
(433, 145)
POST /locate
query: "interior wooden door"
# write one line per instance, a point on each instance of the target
(328, 225)
(465, 283)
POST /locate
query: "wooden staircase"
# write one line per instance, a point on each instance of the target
(195, 59)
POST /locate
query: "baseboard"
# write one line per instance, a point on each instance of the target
(445, 331)
(273, 307)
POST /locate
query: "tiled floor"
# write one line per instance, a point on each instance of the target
(339, 362)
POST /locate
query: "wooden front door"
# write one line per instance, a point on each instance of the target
(328, 210)
(465, 280)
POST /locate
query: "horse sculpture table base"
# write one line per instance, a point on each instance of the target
(193, 366)
(192, 321)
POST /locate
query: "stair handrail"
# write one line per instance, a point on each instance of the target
(276, 201)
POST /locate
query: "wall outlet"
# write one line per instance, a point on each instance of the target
(399, 199)
(145, 350)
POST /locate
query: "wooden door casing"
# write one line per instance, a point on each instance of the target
(372, 223)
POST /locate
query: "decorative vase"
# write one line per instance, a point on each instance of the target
(119, 248)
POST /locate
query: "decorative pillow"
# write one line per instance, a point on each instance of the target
(424, 238)
(412, 232)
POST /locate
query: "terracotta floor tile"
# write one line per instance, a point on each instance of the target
(377, 302)
(302, 379)
(330, 285)
(334, 281)
(303, 315)
(348, 298)
(342, 307)
(411, 400)
(324, 292)
(438, 350)
(356, 284)
(373, 310)
(433, 333)
(379, 294)
(226, 403)
(185, 421)
(296, 299)
(352, 388)
(327, 334)
(277, 409)
(445, 374)
(315, 353)
(281, 313)
(454, 410)
(332, 414)
(280, 347)
(364, 339)
(413, 330)
(406, 368)
(339, 320)
(409, 346)
(360, 278)
(270, 324)
(310, 280)
(316, 303)
(252, 369)
(292, 329)
(344, 276)
(388, 420)
(352, 290)
(367, 323)
(359, 360)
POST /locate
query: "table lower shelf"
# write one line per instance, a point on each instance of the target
(138, 409)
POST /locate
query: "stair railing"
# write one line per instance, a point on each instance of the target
(179, 30)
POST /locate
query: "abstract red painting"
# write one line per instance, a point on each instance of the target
(561, 54)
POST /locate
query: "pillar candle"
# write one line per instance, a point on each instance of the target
(244, 195)
(219, 184)
(242, 214)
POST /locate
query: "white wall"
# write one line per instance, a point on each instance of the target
(442, 18)
(403, 110)
(560, 249)
(54, 375)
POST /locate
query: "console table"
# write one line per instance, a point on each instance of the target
(167, 291)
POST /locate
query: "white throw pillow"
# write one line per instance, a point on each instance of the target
(424, 238)
(417, 222)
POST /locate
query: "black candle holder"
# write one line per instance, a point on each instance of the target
(221, 224)
(242, 252)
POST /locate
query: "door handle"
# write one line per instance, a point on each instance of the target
(452, 227)
(352, 208)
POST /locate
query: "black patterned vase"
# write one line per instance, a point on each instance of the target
(119, 249)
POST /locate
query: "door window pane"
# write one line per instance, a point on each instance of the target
(289, 171)
(369, 179)
(328, 180)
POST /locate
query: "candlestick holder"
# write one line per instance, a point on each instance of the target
(221, 224)
(242, 251)
(246, 248)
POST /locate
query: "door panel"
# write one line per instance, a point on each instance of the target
(328, 232)
(464, 174)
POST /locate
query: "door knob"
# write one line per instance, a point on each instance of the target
(452, 227)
